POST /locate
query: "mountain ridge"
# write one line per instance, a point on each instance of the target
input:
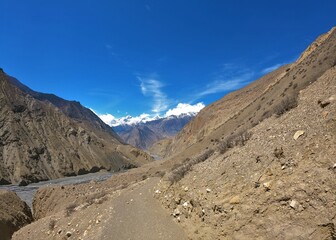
(44, 137)
(144, 134)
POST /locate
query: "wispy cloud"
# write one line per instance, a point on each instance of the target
(152, 87)
(271, 68)
(226, 85)
(230, 77)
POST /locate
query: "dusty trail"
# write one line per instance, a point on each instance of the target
(136, 214)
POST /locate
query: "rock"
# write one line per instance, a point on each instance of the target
(176, 212)
(267, 185)
(14, 214)
(4, 181)
(334, 166)
(294, 204)
(326, 102)
(23, 183)
(208, 190)
(158, 191)
(68, 234)
(235, 200)
(186, 189)
(298, 134)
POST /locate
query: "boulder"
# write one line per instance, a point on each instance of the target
(14, 214)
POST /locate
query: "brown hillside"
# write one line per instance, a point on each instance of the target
(245, 108)
(40, 141)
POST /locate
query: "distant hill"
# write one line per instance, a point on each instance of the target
(143, 134)
(43, 136)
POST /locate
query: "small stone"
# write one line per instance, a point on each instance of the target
(185, 204)
(283, 167)
(59, 231)
(294, 204)
(68, 234)
(186, 189)
(176, 212)
(334, 166)
(298, 134)
(267, 185)
(235, 200)
(157, 191)
(208, 190)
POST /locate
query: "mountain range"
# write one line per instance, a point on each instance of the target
(144, 133)
(44, 137)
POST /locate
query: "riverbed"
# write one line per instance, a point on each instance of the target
(26, 193)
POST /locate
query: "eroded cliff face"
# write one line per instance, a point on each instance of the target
(45, 137)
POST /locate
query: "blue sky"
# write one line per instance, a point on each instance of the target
(146, 56)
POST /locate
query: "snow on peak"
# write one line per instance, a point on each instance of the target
(181, 110)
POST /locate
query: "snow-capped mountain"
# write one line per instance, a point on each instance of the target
(143, 132)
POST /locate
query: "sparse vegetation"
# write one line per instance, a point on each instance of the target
(52, 224)
(278, 153)
(180, 170)
(285, 105)
(98, 198)
(70, 209)
(238, 139)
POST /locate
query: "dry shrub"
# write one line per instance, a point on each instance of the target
(180, 170)
(238, 139)
(70, 209)
(52, 224)
(285, 105)
(98, 198)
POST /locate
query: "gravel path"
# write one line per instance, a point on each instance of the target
(138, 215)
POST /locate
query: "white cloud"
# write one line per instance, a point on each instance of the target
(184, 108)
(270, 69)
(108, 118)
(152, 87)
(227, 84)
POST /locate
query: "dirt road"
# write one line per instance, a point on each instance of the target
(137, 215)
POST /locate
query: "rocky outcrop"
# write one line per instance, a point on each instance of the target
(14, 214)
(44, 137)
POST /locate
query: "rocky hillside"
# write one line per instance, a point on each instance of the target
(44, 137)
(267, 169)
(144, 134)
(247, 107)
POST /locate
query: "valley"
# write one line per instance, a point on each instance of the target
(258, 163)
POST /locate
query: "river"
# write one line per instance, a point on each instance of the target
(26, 193)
